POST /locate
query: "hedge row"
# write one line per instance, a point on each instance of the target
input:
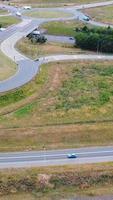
(40, 182)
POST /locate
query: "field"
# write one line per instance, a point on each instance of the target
(57, 182)
(3, 12)
(8, 20)
(53, 3)
(7, 67)
(49, 48)
(92, 193)
(65, 28)
(48, 14)
(101, 14)
(75, 97)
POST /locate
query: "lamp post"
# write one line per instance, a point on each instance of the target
(44, 149)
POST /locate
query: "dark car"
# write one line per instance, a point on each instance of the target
(86, 18)
(71, 38)
(72, 155)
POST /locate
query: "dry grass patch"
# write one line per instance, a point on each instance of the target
(72, 93)
(57, 182)
(48, 14)
(7, 67)
(37, 50)
(53, 3)
(3, 12)
(101, 14)
(56, 137)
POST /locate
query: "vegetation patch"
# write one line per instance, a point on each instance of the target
(71, 89)
(82, 89)
(6, 21)
(3, 12)
(101, 14)
(96, 39)
(7, 67)
(54, 3)
(66, 28)
(25, 91)
(70, 101)
(48, 14)
(48, 181)
(37, 50)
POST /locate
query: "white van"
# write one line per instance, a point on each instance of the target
(27, 7)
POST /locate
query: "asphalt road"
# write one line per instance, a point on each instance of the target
(60, 39)
(56, 157)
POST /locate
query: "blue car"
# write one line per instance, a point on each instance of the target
(72, 155)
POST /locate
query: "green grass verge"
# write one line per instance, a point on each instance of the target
(62, 28)
(72, 101)
(7, 67)
(48, 14)
(25, 91)
(6, 21)
(85, 95)
(3, 12)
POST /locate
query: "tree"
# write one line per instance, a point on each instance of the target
(96, 39)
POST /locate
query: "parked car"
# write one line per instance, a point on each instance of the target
(86, 18)
(2, 29)
(18, 14)
(72, 155)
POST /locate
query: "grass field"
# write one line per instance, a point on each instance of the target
(8, 20)
(75, 97)
(64, 182)
(57, 2)
(62, 28)
(104, 192)
(37, 50)
(7, 67)
(3, 12)
(48, 14)
(101, 14)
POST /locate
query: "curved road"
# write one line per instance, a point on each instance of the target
(27, 69)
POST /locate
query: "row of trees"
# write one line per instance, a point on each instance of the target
(96, 39)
